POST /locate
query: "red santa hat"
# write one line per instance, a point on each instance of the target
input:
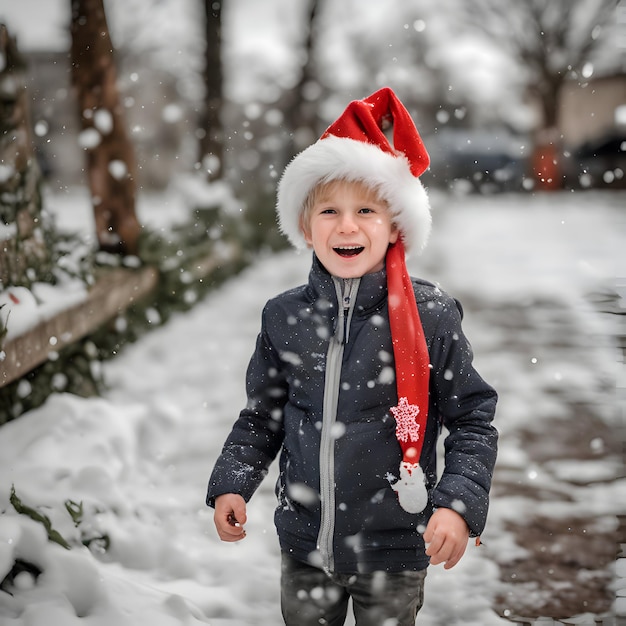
(355, 148)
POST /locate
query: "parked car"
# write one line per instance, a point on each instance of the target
(484, 161)
(600, 163)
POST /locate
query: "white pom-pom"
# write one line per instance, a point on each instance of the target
(411, 488)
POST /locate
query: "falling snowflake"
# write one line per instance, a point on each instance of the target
(407, 428)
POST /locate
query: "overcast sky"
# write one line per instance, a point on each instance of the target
(38, 24)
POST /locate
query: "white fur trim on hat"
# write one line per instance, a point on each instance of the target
(334, 158)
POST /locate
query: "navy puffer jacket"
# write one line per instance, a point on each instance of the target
(320, 386)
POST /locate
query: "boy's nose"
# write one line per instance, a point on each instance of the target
(347, 224)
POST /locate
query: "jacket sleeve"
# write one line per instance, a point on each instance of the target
(466, 406)
(257, 434)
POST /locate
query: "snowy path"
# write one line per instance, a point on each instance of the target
(140, 457)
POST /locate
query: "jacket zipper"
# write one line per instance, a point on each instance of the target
(346, 296)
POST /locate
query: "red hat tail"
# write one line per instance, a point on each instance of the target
(410, 354)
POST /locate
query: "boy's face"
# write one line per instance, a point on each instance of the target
(349, 229)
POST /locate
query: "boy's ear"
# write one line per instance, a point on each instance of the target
(395, 234)
(305, 230)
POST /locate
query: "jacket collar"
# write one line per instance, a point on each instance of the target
(372, 289)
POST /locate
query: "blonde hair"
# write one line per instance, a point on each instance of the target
(324, 188)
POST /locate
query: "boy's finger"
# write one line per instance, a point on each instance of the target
(449, 555)
(442, 551)
(435, 545)
(428, 533)
(440, 556)
(451, 562)
(232, 521)
(227, 532)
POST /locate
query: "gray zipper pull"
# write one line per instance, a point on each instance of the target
(351, 287)
(347, 283)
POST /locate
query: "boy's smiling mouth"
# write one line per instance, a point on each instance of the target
(348, 251)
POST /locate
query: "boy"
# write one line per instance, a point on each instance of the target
(352, 377)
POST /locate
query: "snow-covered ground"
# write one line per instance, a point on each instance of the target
(139, 457)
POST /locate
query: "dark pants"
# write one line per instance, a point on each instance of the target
(310, 597)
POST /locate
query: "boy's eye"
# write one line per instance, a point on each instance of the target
(327, 211)
(366, 209)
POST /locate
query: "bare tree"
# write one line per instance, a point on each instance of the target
(212, 140)
(111, 164)
(301, 110)
(552, 40)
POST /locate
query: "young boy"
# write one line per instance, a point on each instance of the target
(352, 378)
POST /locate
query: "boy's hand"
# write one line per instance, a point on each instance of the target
(230, 517)
(446, 537)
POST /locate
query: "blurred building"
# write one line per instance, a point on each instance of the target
(593, 109)
(593, 126)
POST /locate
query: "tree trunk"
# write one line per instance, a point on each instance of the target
(212, 141)
(111, 165)
(547, 152)
(301, 113)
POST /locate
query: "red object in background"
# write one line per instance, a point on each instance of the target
(546, 167)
